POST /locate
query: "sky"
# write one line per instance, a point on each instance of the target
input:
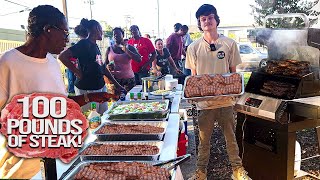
(143, 13)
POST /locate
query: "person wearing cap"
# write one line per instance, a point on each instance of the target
(214, 54)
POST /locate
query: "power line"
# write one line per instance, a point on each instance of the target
(17, 4)
(15, 12)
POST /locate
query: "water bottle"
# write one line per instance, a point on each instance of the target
(122, 95)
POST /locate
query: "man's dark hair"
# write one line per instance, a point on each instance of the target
(119, 29)
(81, 31)
(177, 27)
(184, 28)
(42, 16)
(159, 39)
(134, 26)
(89, 25)
(205, 10)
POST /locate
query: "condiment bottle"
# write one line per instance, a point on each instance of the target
(94, 117)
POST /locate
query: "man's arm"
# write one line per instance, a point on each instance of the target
(151, 59)
(233, 69)
(108, 74)
(151, 51)
(132, 52)
(235, 58)
(99, 97)
(191, 59)
(193, 72)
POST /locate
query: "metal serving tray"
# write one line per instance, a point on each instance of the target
(154, 157)
(82, 164)
(155, 115)
(208, 97)
(131, 137)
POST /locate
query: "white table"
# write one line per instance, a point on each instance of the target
(169, 150)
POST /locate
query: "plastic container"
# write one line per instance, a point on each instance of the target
(182, 144)
(184, 119)
(297, 158)
(168, 77)
(171, 84)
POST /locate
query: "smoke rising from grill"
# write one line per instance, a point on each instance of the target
(283, 44)
(288, 44)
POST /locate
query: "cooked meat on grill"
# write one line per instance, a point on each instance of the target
(130, 129)
(288, 68)
(279, 89)
(121, 171)
(112, 149)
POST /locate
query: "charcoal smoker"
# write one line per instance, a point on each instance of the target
(281, 98)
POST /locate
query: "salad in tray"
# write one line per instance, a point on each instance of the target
(160, 92)
(140, 107)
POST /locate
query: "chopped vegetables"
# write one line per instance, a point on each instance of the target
(140, 107)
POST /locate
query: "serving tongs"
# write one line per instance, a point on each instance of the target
(173, 163)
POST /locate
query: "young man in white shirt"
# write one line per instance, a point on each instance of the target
(214, 54)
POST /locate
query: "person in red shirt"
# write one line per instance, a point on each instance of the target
(145, 48)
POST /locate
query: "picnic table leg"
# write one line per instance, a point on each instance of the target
(318, 137)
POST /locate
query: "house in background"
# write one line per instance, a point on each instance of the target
(239, 32)
(11, 38)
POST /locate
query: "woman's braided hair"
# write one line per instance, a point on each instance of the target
(42, 16)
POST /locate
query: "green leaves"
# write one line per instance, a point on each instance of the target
(262, 8)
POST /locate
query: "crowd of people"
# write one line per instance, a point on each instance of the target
(31, 68)
(129, 60)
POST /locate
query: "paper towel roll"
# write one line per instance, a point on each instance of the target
(168, 77)
(171, 84)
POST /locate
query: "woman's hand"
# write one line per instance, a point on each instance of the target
(102, 97)
(78, 74)
(119, 89)
(158, 73)
(110, 66)
(124, 48)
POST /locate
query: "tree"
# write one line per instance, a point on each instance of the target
(262, 8)
(195, 36)
(107, 29)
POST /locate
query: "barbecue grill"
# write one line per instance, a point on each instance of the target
(276, 104)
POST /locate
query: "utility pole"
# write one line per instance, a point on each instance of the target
(65, 10)
(158, 19)
(91, 2)
(128, 20)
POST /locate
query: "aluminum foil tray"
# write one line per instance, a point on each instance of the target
(154, 157)
(149, 117)
(131, 137)
(208, 97)
(155, 115)
(82, 164)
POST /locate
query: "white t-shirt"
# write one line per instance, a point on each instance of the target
(20, 74)
(200, 58)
